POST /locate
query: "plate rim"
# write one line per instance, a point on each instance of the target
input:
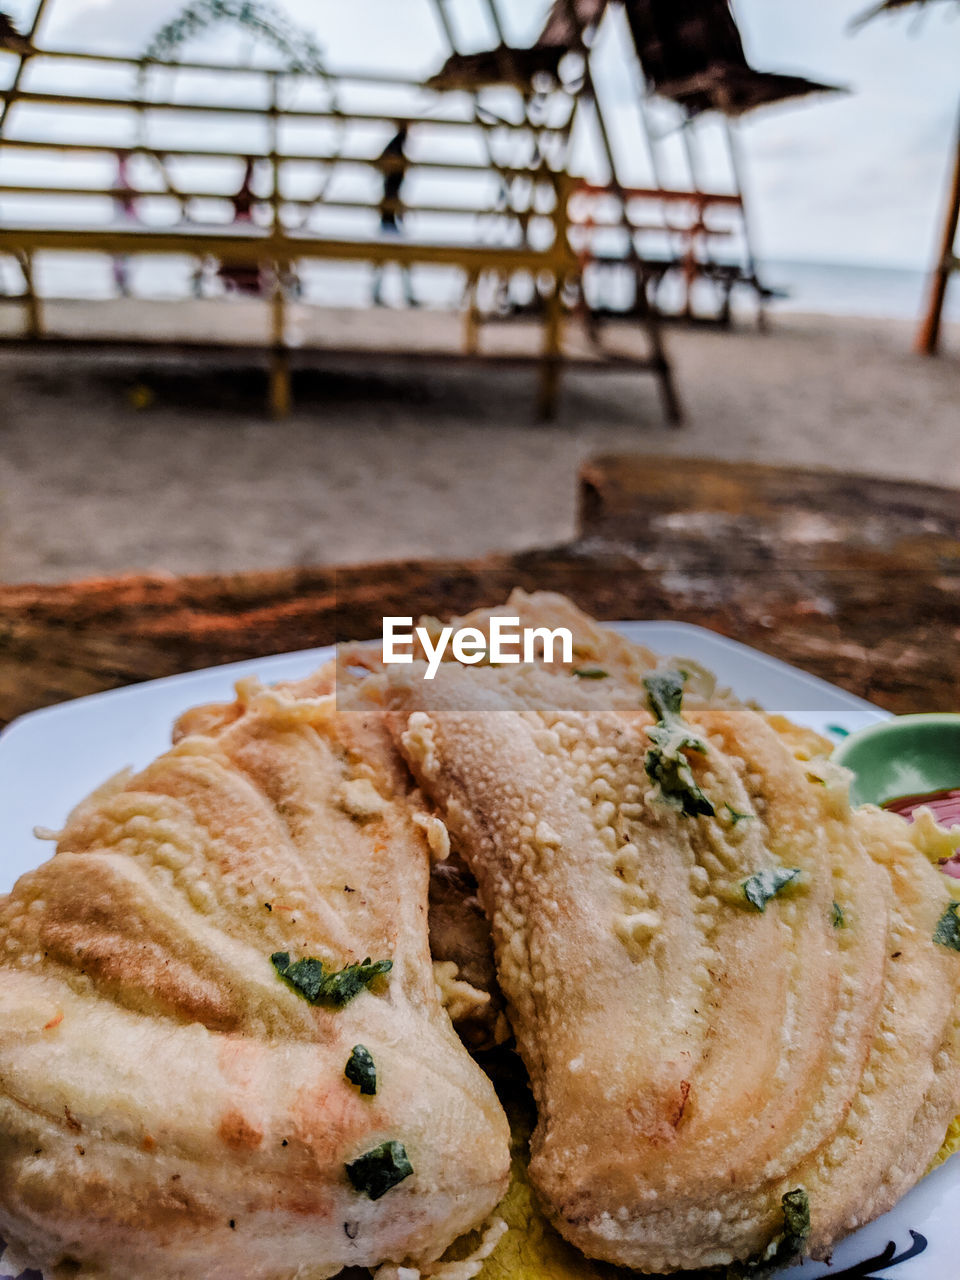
(322, 653)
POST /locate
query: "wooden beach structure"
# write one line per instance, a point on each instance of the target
(947, 262)
(488, 159)
(947, 259)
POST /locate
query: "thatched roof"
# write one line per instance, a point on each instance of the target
(568, 19)
(734, 90)
(563, 31)
(10, 37)
(502, 65)
(690, 51)
(890, 6)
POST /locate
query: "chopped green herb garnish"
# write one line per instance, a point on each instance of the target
(665, 694)
(736, 817)
(665, 763)
(783, 1249)
(310, 979)
(837, 918)
(678, 787)
(766, 884)
(361, 1069)
(947, 932)
(306, 976)
(796, 1221)
(376, 1171)
(590, 673)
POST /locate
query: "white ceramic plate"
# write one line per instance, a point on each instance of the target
(52, 758)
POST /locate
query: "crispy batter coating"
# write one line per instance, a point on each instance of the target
(169, 1107)
(693, 1058)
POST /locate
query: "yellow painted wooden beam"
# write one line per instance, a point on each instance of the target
(252, 247)
(543, 174)
(41, 98)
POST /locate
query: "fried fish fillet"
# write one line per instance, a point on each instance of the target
(731, 1016)
(174, 1095)
(460, 944)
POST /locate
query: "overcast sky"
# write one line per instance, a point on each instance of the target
(858, 178)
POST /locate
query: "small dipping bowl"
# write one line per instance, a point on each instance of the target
(911, 756)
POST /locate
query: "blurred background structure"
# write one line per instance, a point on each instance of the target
(500, 170)
(394, 222)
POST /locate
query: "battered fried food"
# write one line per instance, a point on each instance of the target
(222, 1047)
(736, 998)
(184, 1091)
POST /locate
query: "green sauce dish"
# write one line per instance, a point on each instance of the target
(906, 757)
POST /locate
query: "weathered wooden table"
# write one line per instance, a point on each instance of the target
(854, 579)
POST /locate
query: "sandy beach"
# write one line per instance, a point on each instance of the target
(112, 464)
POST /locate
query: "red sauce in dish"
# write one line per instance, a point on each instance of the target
(944, 805)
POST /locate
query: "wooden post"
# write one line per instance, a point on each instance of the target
(690, 272)
(471, 316)
(31, 301)
(281, 390)
(551, 358)
(736, 163)
(659, 361)
(25, 261)
(5, 106)
(928, 337)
